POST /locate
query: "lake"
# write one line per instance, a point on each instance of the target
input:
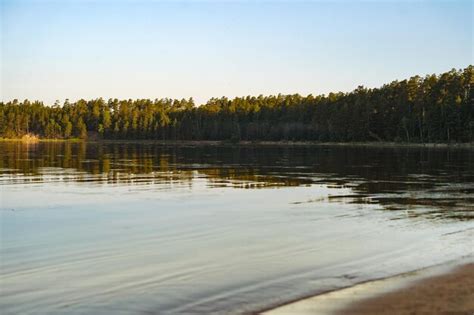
(140, 228)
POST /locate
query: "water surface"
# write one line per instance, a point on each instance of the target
(147, 229)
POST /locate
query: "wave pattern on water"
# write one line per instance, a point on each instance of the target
(142, 229)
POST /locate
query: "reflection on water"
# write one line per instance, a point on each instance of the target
(434, 183)
(146, 229)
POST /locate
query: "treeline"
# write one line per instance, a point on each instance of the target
(434, 108)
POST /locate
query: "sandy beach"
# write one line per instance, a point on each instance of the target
(451, 293)
(438, 290)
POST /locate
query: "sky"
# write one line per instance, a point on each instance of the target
(72, 49)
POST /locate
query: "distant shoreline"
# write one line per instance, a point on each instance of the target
(260, 143)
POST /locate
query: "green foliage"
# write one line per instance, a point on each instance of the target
(436, 108)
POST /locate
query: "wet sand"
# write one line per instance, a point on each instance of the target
(439, 290)
(451, 293)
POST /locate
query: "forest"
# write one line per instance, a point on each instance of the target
(433, 108)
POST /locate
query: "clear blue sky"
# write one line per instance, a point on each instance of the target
(153, 49)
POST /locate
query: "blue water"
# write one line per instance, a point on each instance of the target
(144, 229)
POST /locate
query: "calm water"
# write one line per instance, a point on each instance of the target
(146, 229)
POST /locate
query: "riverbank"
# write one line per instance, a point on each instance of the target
(294, 143)
(36, 140)
(436, 290)
(261, 143)
(449, 293)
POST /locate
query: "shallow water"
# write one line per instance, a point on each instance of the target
(146, 229)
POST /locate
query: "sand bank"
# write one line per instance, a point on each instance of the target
(444, 289)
